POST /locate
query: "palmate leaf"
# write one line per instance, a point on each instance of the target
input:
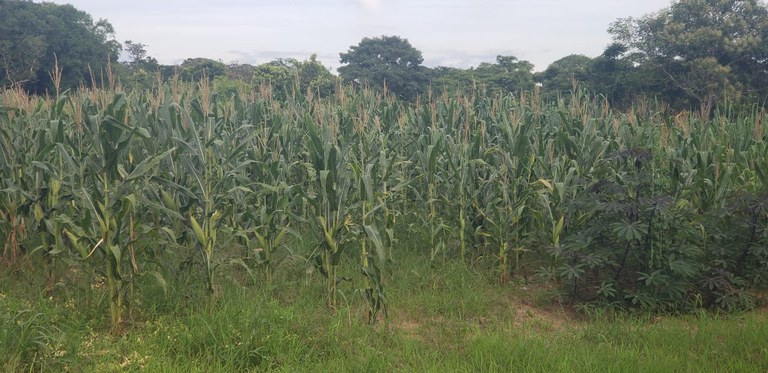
(655, 278)
(683, 267)
(571, 272)
(629, 231)
(607, 289)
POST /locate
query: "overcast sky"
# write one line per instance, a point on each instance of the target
(458, 33)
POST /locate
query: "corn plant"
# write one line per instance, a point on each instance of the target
(428, 159)
(463, 159)
(372, 166)
(273, 193)
(109, 193)
(332, 183)
(213, 161)
(272, 224)
(17, 140)
(52, 187)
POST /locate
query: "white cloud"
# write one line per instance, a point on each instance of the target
(370, 4)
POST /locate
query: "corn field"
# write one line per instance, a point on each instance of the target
(639, 209)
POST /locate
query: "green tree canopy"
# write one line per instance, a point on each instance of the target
(240, 71)
(508, 74)
(708, 49)
(193, 69)
(560, 76)
(389, 61)
(287, 75)
(279, 74)
(451, 79)
(140, 71)
(34, 36)
(138, 58)
(315, 77)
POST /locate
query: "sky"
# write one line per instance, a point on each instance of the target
(455, 33)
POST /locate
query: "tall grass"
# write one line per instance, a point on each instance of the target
(444, 316)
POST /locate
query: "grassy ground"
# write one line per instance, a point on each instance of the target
(444, 317)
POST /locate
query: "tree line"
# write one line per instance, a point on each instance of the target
(691, 55)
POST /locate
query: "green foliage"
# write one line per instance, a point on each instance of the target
(194, 69)
(709, 50)
(561, 76)
(289, 76)
(227, 87)
(649, 227)
(35, 37)
(242, 72)
(25, 337)
(276, 74)
(387, 61)
(140, 71)
(506, 75)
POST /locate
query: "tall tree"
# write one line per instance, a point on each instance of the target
(34, 37)
(451, 80)
(389, 61)
(560, 76)
(193, 69)
(140, 71)
(315, 77)
(508, 74)
(138, 58)
(279, 74)
(614, 75)
(240, 71)
(289, 75)
(709, 49)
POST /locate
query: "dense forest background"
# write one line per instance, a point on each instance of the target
(691, 55)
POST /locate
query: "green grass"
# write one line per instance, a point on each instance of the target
(442, 317)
